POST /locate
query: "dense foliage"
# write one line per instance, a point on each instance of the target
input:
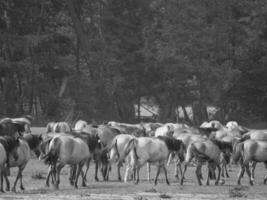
(96, 59)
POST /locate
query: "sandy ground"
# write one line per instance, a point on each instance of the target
(35, 172)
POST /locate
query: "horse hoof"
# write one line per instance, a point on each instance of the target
(264, 181)
(22, 188)
(96, 179)
(168, 183)
(13, 189)
(7, 189)
(75, 186)
(251, 182)
(2, 191)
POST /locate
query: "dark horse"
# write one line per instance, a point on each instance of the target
(11, 128)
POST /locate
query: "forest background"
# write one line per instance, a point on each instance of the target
(95, 60)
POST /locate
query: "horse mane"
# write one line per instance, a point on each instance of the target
(222, 144)
(172, 143)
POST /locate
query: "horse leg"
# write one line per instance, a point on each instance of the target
(249, 174)
(72, 177)
(157, 175)
(83, 179)
(198, 173)
(78, 174)
(223, 168)
(137, 174)
(219, 174)
(1, 180)
(87, 168)
(7, 181)
(15, 183)
(240, 174)
(182, 177)
(21, 185)
(165, 172)
(48, 176)
(253, 167)
(119, 171)
(57, 178)
(96, 171)
(148, 171)
(226, 171)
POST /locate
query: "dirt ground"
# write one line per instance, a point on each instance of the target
(35, 172)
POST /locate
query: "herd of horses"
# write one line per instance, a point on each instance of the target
(132, 145)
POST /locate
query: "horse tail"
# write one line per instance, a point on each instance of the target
(238, 152)
(131, 145)
(189, 154)
(52, 156)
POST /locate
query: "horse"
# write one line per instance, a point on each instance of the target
(250, 150)
(27, 143)
(80, 125)
(8, 127)
(165, 130)
(106, 134)
(177, 147)
(187, 139)
(207, 150)
(226, 160)
(153, 150)
(118, 154)
(58, 127)
(8, 149)
(66, 149)
(132, 129)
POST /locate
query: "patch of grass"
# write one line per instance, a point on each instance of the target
(165, 196)
(139, 198)
(238, 191)
(37, 175)
(153, 190)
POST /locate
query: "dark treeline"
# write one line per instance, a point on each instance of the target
(70, 59)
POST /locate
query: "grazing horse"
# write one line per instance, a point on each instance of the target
(118, 153)
(27, 144)
(208, 150)
(66, 149)
(250, 150)
(8, 150)
(152, 150)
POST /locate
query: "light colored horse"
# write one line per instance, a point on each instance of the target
(27, 144)
(58, 127)
(250, 150)
(118, 153)
(207, 150)
(65, 149)
(8, 149)
(80, 125)
(165, 130)
(152, 150)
